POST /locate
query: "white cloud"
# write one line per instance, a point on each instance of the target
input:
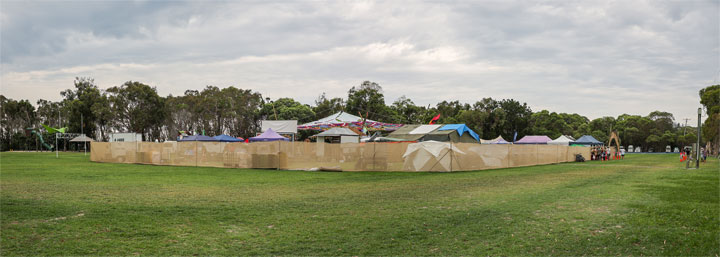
(593, 58)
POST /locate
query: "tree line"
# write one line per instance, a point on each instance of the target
(137, 107)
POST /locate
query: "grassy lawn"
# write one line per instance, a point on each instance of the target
(643, 205)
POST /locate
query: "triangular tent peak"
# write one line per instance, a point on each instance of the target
(339, 117)
(497, 140)
(343, 119)
(268, 135)
(562, 140)
(586, 140)
(538, 140)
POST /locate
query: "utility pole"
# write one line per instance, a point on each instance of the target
(685, 127)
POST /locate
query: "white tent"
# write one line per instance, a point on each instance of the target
(279, 126)
(562, 140)
(340, 117)
(430, 155)
(497, 140)
(81, 139)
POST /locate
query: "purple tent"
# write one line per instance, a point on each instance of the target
(538, 140)
(268, 135)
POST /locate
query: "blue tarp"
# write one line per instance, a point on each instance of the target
(461, 129)
(226, 138)
(586, 140)
(197, 138)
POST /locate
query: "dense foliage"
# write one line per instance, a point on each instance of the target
(136, 107)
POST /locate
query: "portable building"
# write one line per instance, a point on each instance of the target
(125, 137)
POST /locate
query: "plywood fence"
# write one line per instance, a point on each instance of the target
(345, 157)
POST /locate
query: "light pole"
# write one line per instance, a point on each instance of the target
(273, 106)
(697, 160)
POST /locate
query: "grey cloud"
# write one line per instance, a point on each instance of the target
(540, 53)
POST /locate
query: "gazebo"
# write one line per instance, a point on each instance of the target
(268, 136)
(82, 139)
(534, 140)
(226, 138)
(586, 140)
(562, 140)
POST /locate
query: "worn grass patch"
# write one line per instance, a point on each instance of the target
(643, 205)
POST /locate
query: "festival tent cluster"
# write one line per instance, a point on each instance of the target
(343, 119)
(457, 133)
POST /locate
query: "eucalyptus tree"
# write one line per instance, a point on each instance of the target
(368, 100)
(81, 103)
(15, 117)
(287, 109)
(137, 108)
(325, 106)
(710, 99)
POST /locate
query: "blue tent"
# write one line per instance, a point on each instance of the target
(226, 138)
(197, 138)
(461, 129)
(586, 140)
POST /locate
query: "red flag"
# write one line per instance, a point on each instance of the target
(435, 119)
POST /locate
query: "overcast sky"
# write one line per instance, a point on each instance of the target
(597, 59)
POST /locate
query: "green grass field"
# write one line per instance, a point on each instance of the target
(644, 205)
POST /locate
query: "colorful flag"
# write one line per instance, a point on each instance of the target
(435, 119)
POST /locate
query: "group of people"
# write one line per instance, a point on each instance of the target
(603, 153)
(687, 154)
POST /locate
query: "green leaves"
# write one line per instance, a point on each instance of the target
(138, 108)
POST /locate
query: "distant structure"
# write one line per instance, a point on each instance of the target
(125, 137)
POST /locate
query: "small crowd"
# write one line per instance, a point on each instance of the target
(687, 154)
(603, 153)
